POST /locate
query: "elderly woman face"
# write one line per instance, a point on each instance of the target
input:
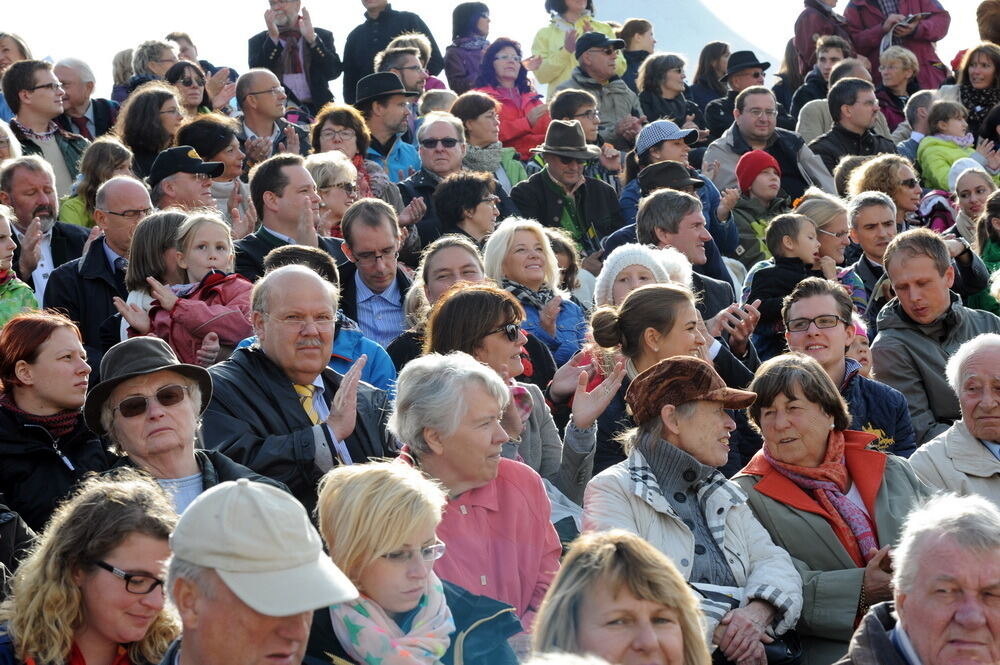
(972, 190)
(58, 379)
(165, 428)
(895, 74)
(703, 433)
(795, 430)
(623, 629)
(120, 612)
(335, 199)
(397, 580)
(5, 152)
(470, 456)
(525, 261)
(338, 137)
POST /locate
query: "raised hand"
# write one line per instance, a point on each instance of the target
(216, 82)
(728, 199)
(272, 26)
(306, 26)
(344, 406)
(587, 407)
(534, 62)
(135, 316)
(291, 142)
(162, 293)
(549, 314)
(413, 212)
(257, 149)
(569, 43)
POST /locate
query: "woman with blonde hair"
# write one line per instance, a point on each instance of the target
(335, 178)
(899, 69)
(91, 591)
(894, 176)
(378, 521)
(612, 585)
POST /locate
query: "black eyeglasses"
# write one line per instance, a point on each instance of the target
(909, 183)
(566, 161)
(171, 395)
(371, 258)
(276, 90)
(493, 198)
(511, 330)
(190, 82)
(589, 114)
(136, 583)
(822, 322)
(46, 86)
(430, 144)
(349, 187)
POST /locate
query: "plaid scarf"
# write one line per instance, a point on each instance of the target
(526, 296)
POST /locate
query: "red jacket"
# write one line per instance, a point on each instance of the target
(815, 21)
(219, 304)
(515, 130)
(864, 23)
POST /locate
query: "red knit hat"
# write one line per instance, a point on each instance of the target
(750, 166)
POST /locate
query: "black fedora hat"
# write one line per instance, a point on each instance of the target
(380, 84)
(741, 60)
(669, 175)
(566, 138)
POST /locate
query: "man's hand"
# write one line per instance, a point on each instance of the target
(31, 248)
(208, 353)
(413, 212)
(905, 29)
(593, 262)
(878, 576)
(306, 27)
(257, 149)
(739, 322)
(305, 230)
(611, 158)
(344, 407)
(272, 27)
(741, 634)
(291, 142)
(890, 21)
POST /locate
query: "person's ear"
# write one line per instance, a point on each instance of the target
(186, 597)
(949, 275)
(851, 332)
(257, 322)
(270, 200)
(181, 263)
(348, 253)
(668, 416)
(5, 199)
(433, 440)
(995, 223)
(662, 237)
(22, 370)
(788, 243)
(651, 338)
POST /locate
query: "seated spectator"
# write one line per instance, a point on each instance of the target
(480, 116)
(895, 176)
(192, 87)
(814, 118)
(579, 283)
(265, 132)
(465, 204)
(88, 590)
(519, 258)
(47, 447)
(830, 50)
(409, 605)
(12, 49)
(382, 101)
(789, 78)
(616, 573)
(180, 179)
(215, 138)
(35, 96)
(150, 61)
(962, 459)
(470, 26)
(899, 68)
(553, 51)
(743, 71)
(15, 295)
(683, 434)
(922, 327)
(860, 348)
(620, 112)
(103, 159)
(83, 113)
(761, 200)
(484, 322)
(917, 108)
(148, 407)
(121, 73)
(404, 62)
(709, 77)
(637, 33)
(817, 317)
(442, 404)
(580, 105)
(10, 147)
(561, 195)
(853, 108)
(834, 506)
(661, 85)
(979, 211)
(977, 85)
(948, 141)
(335, 178)
(434, 100)
(147, 122)
(306, 418)
(952, 541)
(425, 51)
(231, 575)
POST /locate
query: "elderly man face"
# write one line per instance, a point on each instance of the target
(126, 203)
(599, 62)
(743, 79)
(436, 155)
(189, 190)
(979, 394)
(268, 95)
(166, 59)
(77, 92)
(32, 194)
(952, 611)
(701, 429)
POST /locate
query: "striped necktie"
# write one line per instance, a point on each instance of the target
(306, 399)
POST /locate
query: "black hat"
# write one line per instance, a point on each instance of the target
(381, 84)
(566, 138)
(182, 159)
(589, 40)
(669, 175)
(134, 357)
(741, 60)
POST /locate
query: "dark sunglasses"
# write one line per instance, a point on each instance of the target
(190, 82)
(909, 183)
(566, 161)
(511, 330)
(430, 144)
(130, 407)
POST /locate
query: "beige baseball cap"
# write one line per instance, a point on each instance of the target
(259, 540)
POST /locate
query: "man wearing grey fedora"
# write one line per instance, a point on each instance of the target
(560, 195)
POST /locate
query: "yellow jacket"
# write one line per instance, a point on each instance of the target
(557, 62)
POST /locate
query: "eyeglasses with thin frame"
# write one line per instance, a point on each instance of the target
(136, 583)
(840, 235)
(589, 115)
(192, 82)
(492, 198)
(427, 554)
(134, 213)
(411, 68)
(172, 61)
(822, 322)
(508, 58)
(321, 321)
(371, 258)
(276, 90)
(173, 111)
(511, 330)
(430, 144)
(342, 134)
(768, 113)
(136, 405)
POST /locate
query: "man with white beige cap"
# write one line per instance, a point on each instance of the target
(247, 571)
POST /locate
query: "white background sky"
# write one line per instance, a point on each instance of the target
(220, 28)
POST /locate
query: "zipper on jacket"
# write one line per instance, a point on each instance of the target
(459, 658)
(55, 446)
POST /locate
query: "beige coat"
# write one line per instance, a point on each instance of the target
(956, 461)
(815, 120)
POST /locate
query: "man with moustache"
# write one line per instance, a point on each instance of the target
(27, 185)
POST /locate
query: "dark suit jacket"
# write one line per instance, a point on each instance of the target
(349, 290)
(67, 244)
(251, 250)
(714, 295)
(105, 114)
(323, 64)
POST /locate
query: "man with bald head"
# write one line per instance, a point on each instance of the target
(277, 407)
(85, 288)
(264, 130)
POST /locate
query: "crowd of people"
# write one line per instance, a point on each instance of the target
(517, 352)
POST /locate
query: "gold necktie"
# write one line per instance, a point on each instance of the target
(306, 399)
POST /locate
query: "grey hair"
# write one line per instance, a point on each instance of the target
(33, 163)
(868, 200)
(80, 67)
(971, 522)
(104, 191)
(260, 296)
(13, 144)
(965, 353)
(327, 168)
(156, 196)
(108, 415)
(430, 394)
(435, 117)
(663, 209)
(146, 53)
(203, 578)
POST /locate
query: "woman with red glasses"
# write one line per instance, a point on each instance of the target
(148, 406)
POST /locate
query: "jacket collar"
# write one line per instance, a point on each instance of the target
(968, 453)
(94, 264)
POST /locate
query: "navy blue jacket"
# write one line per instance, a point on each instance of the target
(880, 410)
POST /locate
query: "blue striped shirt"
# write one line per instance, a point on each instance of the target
(380, 315)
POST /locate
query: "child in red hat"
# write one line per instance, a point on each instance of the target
(761, 199)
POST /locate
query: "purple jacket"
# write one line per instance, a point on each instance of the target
(461, 65)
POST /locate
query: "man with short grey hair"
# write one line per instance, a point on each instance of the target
(966, 458)
(946, 577)
(150, 61)
(872, 219)
(83, 113)
(248, 570)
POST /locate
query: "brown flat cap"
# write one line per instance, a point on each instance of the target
(679, 380)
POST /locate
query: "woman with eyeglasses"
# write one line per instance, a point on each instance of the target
(834, 504)
(335, 178)
(147, 122)
(189, 79)
(91, 591)
(379, 523)
(148, 406)
(895, 176)
(480, 116)
(46, 447)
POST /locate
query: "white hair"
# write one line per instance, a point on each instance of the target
(971, 522)
(13, 144)
(678, 266)
(965, 353)
(179, 569)
(430, 394)
(80, 67)
(500, 241)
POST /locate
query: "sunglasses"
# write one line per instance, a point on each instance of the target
(190, 82)
(510, 330)
(909, 183)
(171, 395)
(567, 161)
(430, 144)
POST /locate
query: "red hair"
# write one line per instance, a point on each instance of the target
(22, 337)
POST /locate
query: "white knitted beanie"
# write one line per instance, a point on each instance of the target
(622, 257)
